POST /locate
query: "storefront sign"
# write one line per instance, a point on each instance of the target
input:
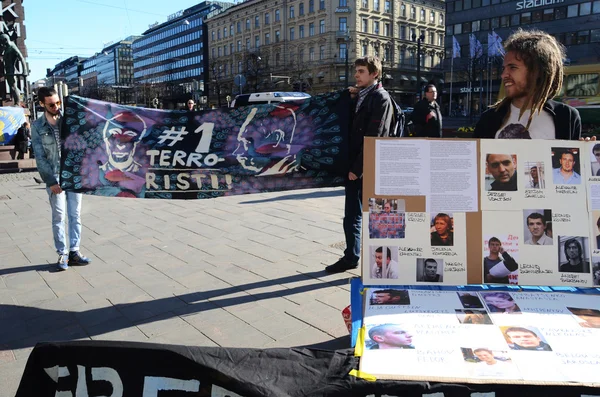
(474, 89)
(525, 4)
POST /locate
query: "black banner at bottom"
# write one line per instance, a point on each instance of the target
(99, 368)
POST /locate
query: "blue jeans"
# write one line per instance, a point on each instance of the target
(71, 202)
(353, 219)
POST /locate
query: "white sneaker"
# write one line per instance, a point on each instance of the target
(63, 262)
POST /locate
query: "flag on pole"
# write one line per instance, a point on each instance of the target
(498, 48)
(491, 46)
(455, 48)
(475, 47)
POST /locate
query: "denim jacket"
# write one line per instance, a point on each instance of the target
(45, 147)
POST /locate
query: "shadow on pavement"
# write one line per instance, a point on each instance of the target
(24, 326)
(299, 196)
(46, 266)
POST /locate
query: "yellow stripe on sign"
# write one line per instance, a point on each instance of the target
(362, 375)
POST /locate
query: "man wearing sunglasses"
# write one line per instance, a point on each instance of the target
(502, 167)
(46, 142)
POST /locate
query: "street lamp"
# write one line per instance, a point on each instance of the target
(419, 39)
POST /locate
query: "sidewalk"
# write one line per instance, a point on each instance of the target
(241, 271)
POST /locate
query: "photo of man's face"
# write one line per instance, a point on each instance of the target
(524, 339)
(495, 247)
(501, 167)
(536, 227)
(430, 269)
(567, 161)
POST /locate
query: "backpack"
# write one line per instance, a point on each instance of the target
(398, 122)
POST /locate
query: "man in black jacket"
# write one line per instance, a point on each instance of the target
(427, 117)
(372, 115)
(532, 76)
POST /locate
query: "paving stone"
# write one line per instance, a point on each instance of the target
(236, 333)
(322, 317)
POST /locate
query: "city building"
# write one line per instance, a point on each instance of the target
(169, 58)
(311, 45)
(476, 81)
(113, 71)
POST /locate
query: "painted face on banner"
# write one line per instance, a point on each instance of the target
(265, 142)
(121, 134)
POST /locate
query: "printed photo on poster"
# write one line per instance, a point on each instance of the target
(470, 300)
(386, 218)
(536, 222)
(384, 262)
(535, 175)
(389, 296)
(500, 302)
(566, 168)
(596, 221)
(500, 264)
(473, 317)
(596, 270)
(525, 338)
(430, 270)
(573, 254)
(389, 336)
(442, 230)
(587, 318)
(487, 362)
(501, 172)
(595, 159)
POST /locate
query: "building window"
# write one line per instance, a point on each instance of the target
(301, 9)
(247, 44)
(239, 66)
(239, 27)
(431, 17)
(457, 29)
(343, 24)
(376, 50)
(214, 53)
(365, 4)
(402, 32)
(365, 25)
(224, 50)
(277, 36)
(441, 22)
(548, 15)
(277, 17)
(247, 24)
(431, 38)
(375, 5)
(311, 5)
(343, 3)
(321, 26)
(413, 34)
(224, 32)
(220, 52)
(311, 54)
(291, 11)
(365, 50)
(402, 56)
(231, 48)
(267, 38)
(277, 59)
(422, 15)
(585, 8)
(239, 45)
(458, 5)
(231, 30)
(560, 13)
(321, 52)
(376, 27)
(572, 10)
(256, 41)
(387, 55)
(485, 24)
(595, 36)
(387, 6)
(413, 12)
(386, 30)
(256, 21)
(291, 34)
(403, 10)
(343, 50)
(311, 29)
(321, 4)
(474, 27)
(301, 32)
(301, 55)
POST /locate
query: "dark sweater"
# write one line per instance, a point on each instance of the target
(567, 123)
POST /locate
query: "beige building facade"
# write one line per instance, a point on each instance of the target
(287, 45)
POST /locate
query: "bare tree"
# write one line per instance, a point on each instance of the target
(216, 76)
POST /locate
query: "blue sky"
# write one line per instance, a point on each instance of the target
(60, 29)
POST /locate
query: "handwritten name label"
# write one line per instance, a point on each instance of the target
(498, 196)
(566, 189)
(539, 296)
(434, 294)
(568, 332)
(417, 217)
(579, 358)
(454, 267)
(443, 251)
(436, 329)
(572, 278)
(561, 218)
(535, 269)
(534, 193)
(594, 179)
(410, 251)
(542, 310)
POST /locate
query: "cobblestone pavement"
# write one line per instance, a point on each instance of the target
(241, 271)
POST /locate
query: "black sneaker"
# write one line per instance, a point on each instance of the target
(76, 259)
(341, 265)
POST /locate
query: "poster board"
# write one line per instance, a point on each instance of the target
(460, 211)
(459, 335)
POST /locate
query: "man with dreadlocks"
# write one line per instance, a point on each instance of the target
(532, 75)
